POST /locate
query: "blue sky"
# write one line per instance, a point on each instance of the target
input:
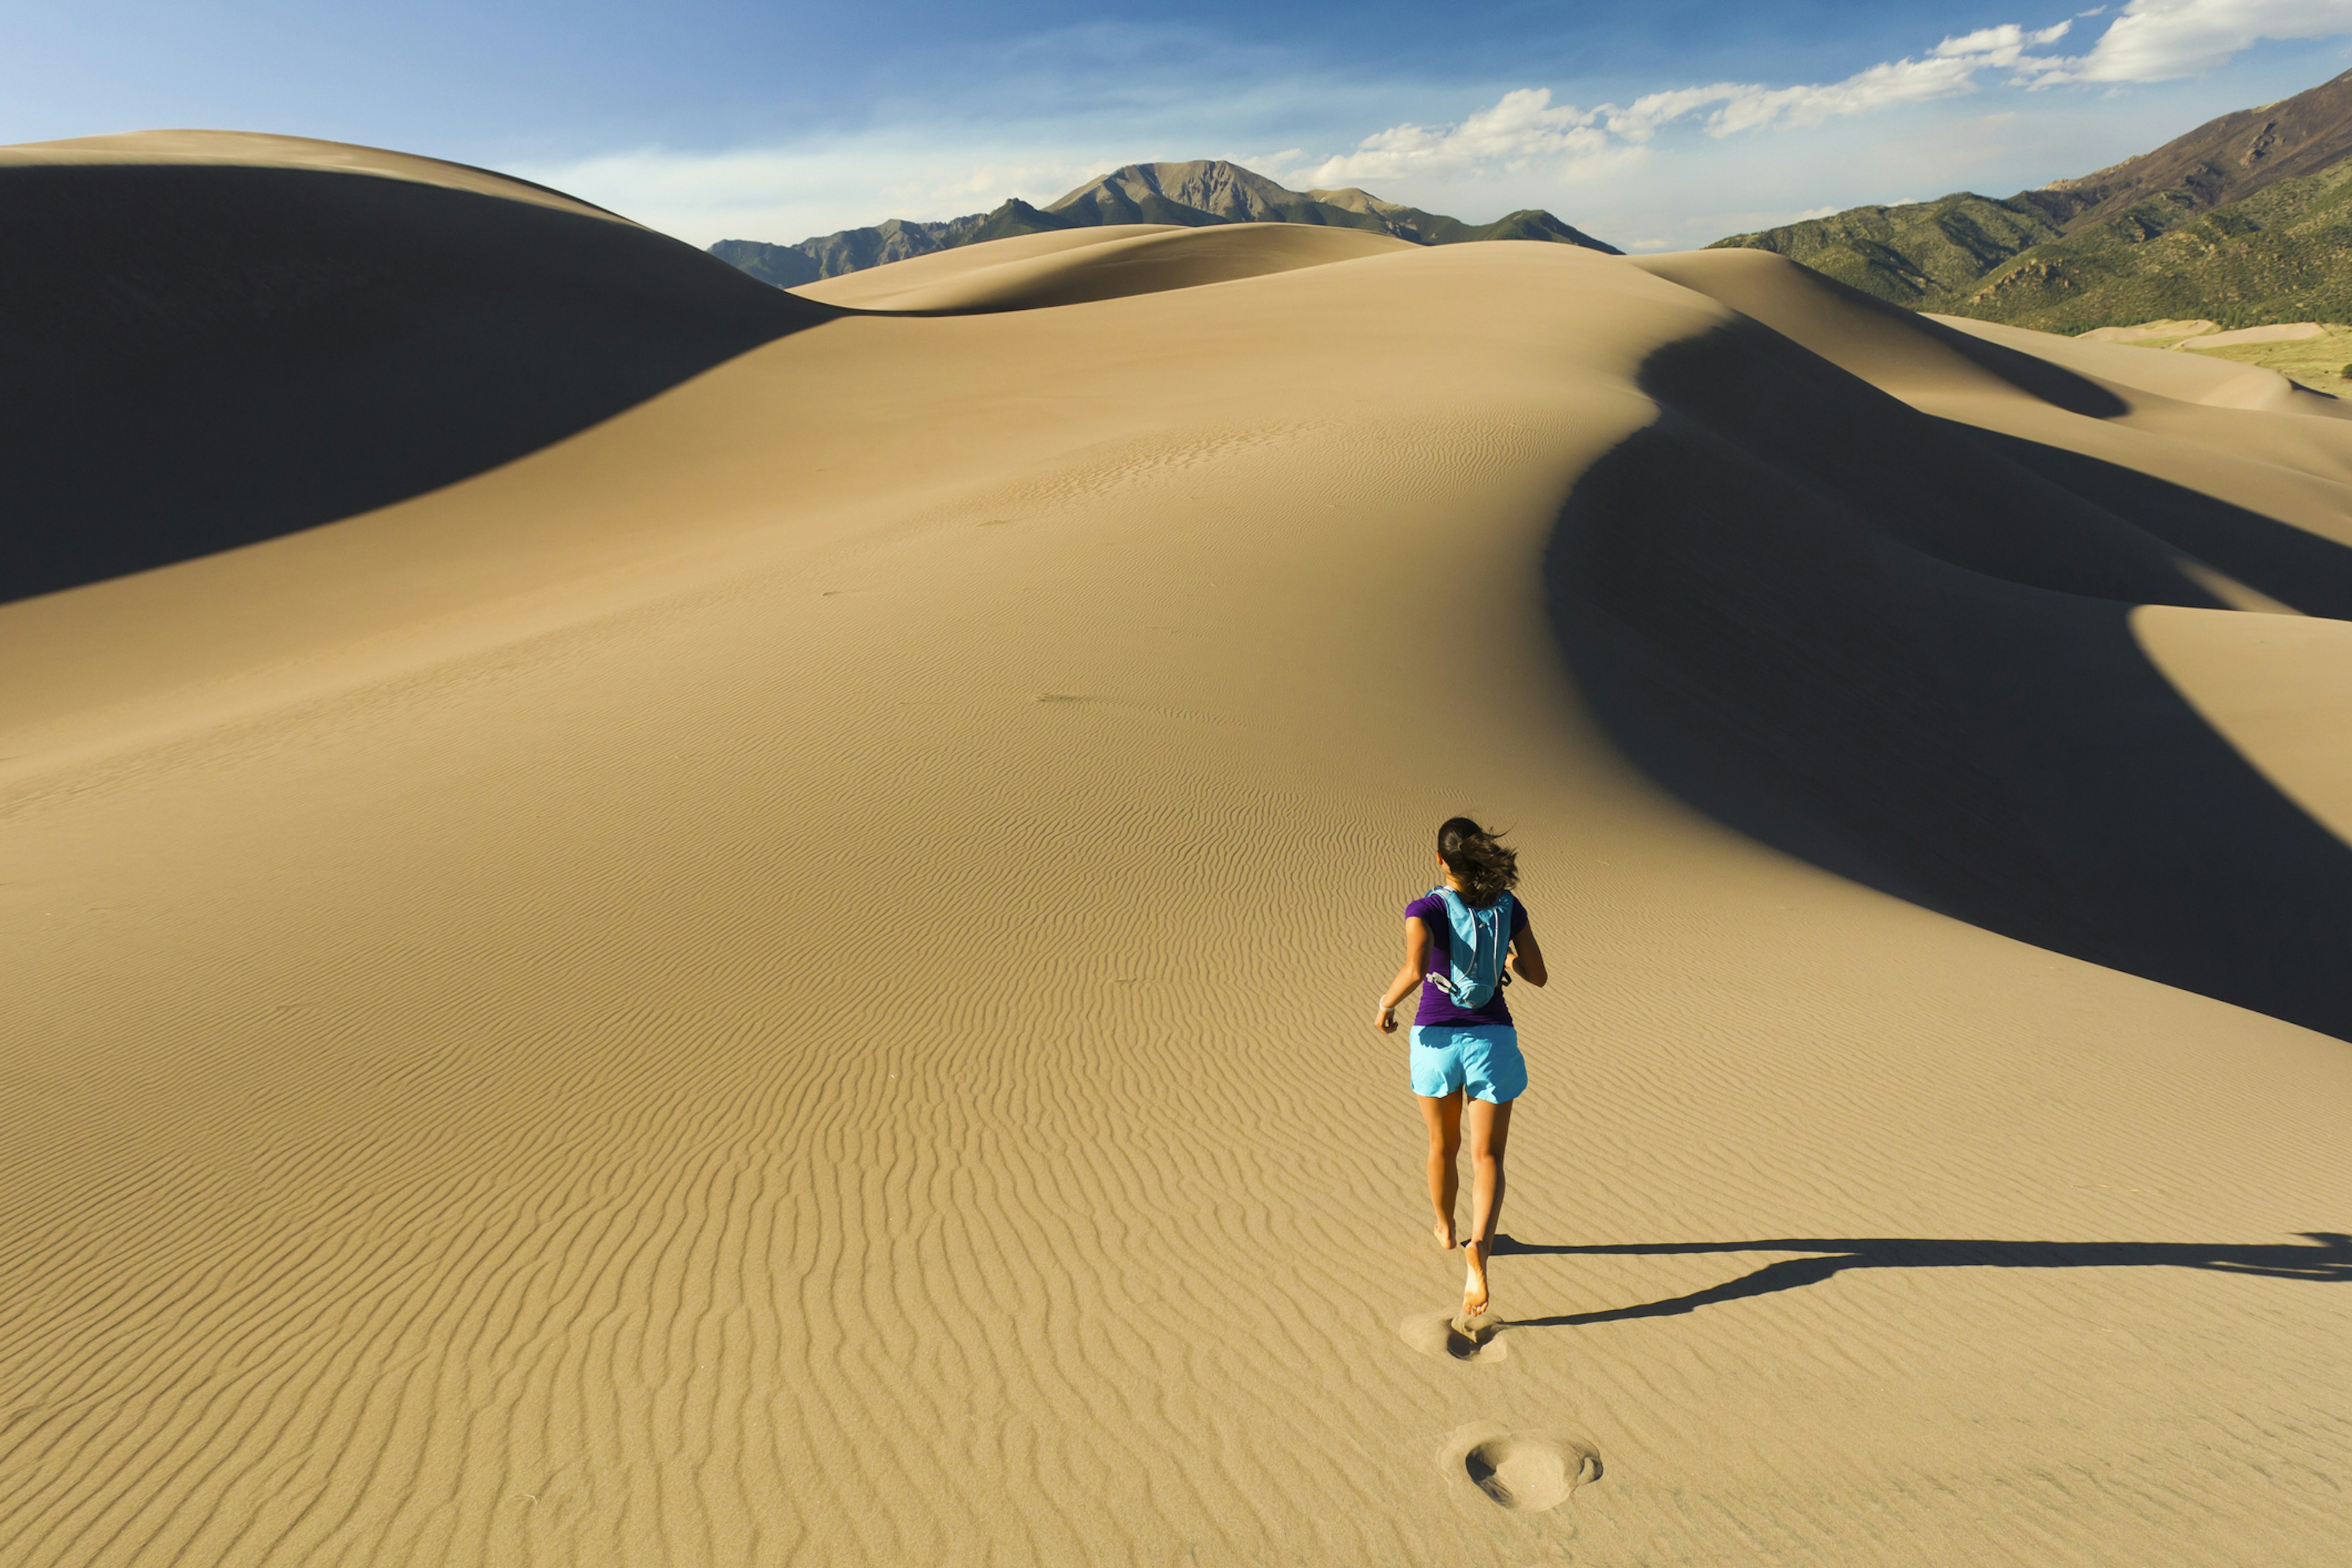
(1657, 124)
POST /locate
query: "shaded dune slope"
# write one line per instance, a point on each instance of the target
(207, 353)
(2291, 565)
(1872, 638)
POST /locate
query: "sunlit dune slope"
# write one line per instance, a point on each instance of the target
(786, 978)
(943, 266)
(259, 150)
(1071, 268)
(214, 343)
(2278, 688)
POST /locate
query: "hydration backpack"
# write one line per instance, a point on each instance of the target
(1481, 937)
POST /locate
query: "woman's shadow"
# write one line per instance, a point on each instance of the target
(2329, 1257)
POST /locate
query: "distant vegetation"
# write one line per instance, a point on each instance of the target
(2283, 255)
(1194, 194)
(2317, 362)
(2244, 221)
(1923, 254)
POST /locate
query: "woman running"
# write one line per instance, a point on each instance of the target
(1464, 1044)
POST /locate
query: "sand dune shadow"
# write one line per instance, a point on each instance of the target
(203, 356)
(1865, 637)
(2290, 564)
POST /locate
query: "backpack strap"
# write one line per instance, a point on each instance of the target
(1504, 908)
(1455, 913)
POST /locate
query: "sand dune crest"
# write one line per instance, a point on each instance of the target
(258, 150)
(1093, 264)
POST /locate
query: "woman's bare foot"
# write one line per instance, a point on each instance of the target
(1444, 1232)
(1473, 1282)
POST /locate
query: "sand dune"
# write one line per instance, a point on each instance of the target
(2146, 331)
(2278, 332)
(1076, 267)
(940, 266)
(212, 351)
(2202, 334)
(2182, 378)
(458, 1108)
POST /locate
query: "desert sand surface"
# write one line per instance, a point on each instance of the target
(2311, 354)
(2200, 335)
(2158, 334)
(2277, 333)
(782, 973)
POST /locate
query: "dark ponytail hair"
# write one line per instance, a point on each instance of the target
(1479, 860)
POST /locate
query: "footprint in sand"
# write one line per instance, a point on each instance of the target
(1444, 1335)
(1527, 1472)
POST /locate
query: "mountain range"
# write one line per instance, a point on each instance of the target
(1195, 195)
(2245, 220)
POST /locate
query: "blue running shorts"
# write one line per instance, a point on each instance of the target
(1485, 1060)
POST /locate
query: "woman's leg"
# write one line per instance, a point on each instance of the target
(1490, 1130)
(1444, 1117)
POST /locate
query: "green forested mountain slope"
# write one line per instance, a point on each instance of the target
(2282, 255)
(2225, 160)
(1916, 253)
(2242, 221)
(1193, 194)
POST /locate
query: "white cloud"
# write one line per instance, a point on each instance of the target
(2149, 40)
(1881, 87)
(2008, 39)
(1521, 127)
(1525, 125)
(2163, 40)
(1948, 69)
(1639, 120)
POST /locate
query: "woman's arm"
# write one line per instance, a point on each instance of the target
(1408, 974)
(1527, 956)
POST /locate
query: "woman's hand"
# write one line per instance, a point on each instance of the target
(1408, 974)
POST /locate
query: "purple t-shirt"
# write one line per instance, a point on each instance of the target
(1437, 1007)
